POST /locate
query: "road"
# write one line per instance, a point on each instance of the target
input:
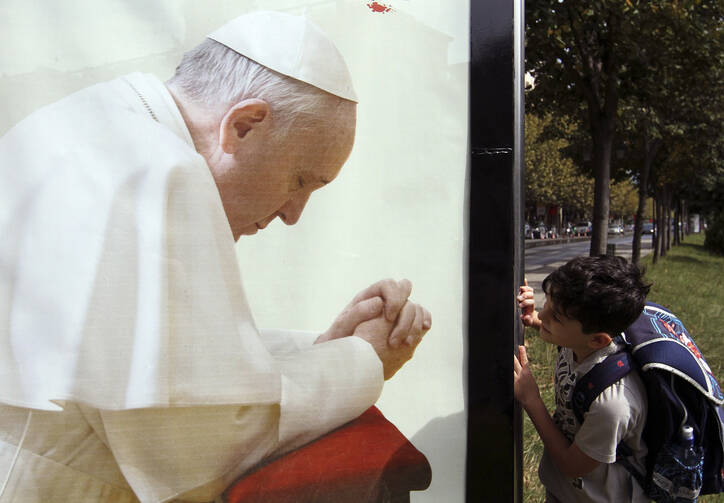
(542, 260)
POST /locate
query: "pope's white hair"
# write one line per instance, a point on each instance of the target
(217, 77)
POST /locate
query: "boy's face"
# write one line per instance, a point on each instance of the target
(563, 331)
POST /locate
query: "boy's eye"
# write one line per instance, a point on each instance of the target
(300, 182)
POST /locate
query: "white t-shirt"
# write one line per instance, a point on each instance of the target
(617, 414)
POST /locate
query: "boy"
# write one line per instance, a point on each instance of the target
(589, 301)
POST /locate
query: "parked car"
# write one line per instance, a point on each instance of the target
(540, 231)
(583, 228)
(615, 229)
(648, 228)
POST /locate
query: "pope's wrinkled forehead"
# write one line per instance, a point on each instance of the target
(290, 45)
(332, 138)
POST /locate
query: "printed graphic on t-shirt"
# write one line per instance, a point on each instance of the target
(565, 382)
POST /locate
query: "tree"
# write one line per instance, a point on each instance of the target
(640, 126)
(588, 58)
(694, 112)
(682, 100)
(624, 198)
(573, 51)
(550, 177)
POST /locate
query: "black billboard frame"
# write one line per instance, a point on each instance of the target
(495, 250)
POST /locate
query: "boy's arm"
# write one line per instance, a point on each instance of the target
(569, 459)
(526, 303)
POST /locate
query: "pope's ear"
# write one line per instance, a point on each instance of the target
(600, 340)
(240, 121)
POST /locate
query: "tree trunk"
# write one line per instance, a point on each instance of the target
(602, 147)
(656, 243)
(667, 220)
(661, 224)
(677, 218)
(677, 223)
(650, 148)
(558, 221)
(638, 224)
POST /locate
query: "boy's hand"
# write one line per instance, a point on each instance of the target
(526, 303)
(570, 460)
(525, 388)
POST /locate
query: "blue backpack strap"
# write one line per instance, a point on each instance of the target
(600, 377)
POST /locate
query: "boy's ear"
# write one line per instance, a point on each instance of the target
(599, 340)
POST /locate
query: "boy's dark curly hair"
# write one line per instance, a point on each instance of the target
(606, 294)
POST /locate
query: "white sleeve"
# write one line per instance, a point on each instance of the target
(284, 342)
(196, 452)
(314, 403)
(610, 418)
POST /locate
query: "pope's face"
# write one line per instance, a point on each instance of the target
(274, 178)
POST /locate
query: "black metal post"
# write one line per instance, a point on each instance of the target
(495, 253)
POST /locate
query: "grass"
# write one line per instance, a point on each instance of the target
(690, 282)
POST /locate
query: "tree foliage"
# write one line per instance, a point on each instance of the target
(576, 51)
(624, 199)
(550, 176)
(556, 179)
(644, 77)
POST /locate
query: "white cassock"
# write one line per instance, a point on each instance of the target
(130, 365)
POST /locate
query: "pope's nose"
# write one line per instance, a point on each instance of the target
(292, 209)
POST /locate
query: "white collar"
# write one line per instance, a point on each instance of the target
(155, 100)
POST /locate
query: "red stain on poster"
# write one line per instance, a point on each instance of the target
(378, 7)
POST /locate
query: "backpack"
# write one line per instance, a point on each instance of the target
(681, 390)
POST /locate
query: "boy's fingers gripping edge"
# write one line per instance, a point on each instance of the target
(522, 356)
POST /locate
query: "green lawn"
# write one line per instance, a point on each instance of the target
(690, 282)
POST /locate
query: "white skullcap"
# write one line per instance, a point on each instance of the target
(290, 45)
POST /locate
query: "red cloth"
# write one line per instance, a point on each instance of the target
(357, 462)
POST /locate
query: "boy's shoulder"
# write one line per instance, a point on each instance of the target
(609, 383)
(624, 398)
(617, 414)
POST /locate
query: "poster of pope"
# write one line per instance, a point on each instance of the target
(220, 243)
